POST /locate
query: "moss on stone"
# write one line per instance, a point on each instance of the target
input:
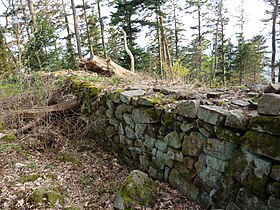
(227, 134)
(49, 196)
(167, 119)
(29, 178)
(9, 138)
(152, 113)
(261, 143)
(269, 124)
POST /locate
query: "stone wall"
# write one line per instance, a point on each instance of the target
(218, 157)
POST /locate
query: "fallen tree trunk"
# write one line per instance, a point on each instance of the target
(41, 112)
(104, 67)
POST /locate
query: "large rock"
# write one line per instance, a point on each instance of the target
(263, 144)
(126, 96)
(269, 104)
(267, 124)
(250, 170)
(218, 148)
(188, 108)
(248, 201)
(236, 119)
(214, 115)
(189, 149)
(211, 177)
(178, 181)
(121, 109)
(137, 190)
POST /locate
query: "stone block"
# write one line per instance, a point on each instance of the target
(218, 148)
(173, 140)
(183, 185)
(155, 173)
(189, 149)
(273, 189)
(266, 124)
(128, 120)
(273, 203)
(204, 200)
(115, 96)
(217, 164)
(110, 113)
(227, 134)
(272, 88)
(162, 159)
(188, 127)
(205, 128)
(211, 177)
(144, 162)
(236, 119)
(275, 172)
(168, 118)
(247, 201)
(250, 170)
(269, 104)
(153, 129)
(189, 162)
(197, 139)
(129, 132)
(175, 154)
(214, 115)
(188, 108)
(149, 143)
(262, 144)
(120, 110)
(226, 194)
(143, 115)
(161, 145)
(126, 96)
(140, 130)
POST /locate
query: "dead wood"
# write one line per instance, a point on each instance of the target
(104, 67)
(42, 112)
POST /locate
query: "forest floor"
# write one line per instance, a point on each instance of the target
(56, 166)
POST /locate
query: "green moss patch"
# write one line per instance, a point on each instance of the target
(29, 178)
(268, 124)
(9, 138)
(48, 196)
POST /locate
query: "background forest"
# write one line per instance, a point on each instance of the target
(49, 35)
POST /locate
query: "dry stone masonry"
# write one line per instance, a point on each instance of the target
(220, 151)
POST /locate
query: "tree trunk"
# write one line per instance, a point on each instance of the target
(101, 29)
(87, 28)
(32, 14)
(77, 33)
(128, 52)
(69, 41)
(273, 40)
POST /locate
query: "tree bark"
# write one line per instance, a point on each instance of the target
(101, 29)
(77, 33)
(87, 28)
(32, 14)
(273, 39)
(128, 52)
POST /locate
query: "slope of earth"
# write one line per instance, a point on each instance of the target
(76, 175)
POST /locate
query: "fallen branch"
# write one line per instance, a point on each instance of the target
(42, 112)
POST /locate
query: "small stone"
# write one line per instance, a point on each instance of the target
(187, 127)
(269, 104)
(189, 162)
(129, 132)
(164, 90)
(213, 95)
(240, 103)
(145, 115)
(161, 145)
